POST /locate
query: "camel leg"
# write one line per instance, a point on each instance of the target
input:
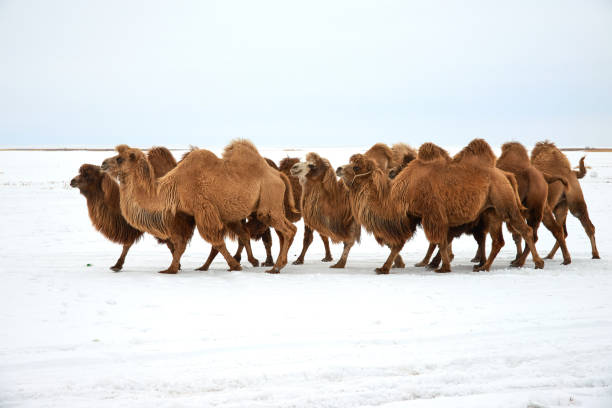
(557, 231)
(425, 260)
(345, 251)
(399, 262)
(238, 254)
(560, 212)
(211, 256)
(267, 241)
(480, 237)
(306, 243)
(119, 264)
(383, 270)
(171, 248)
(213, 230)
(580, 211)
(518, 241)
(444, 253)
(179, 245)
(286, 232)
(328, 255)
(435, 262)
(497, 242)
(518, 224)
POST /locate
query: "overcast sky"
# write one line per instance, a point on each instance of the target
(284, 73)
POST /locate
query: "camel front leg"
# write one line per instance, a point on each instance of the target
(384, 269)
(518, 224)
(345, 251)
(328, 255)
(560, 213)
(286, 232)
(211, 256)
(305, 244)
(119, 264)
(444, 253)
(238, 254)
(425, 259)
(267, 241)
(480, 238)
(179, 247)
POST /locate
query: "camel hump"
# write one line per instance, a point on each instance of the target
(271, 163)
(515, 149)
(240, 148)
(547, 154)
(429, 152)
(381, 154)
(402, 154)
(286, 164)
(477, 149)
(162, 160)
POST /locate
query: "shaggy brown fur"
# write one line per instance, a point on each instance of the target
(442, 193)
(546, 157)
(215, 191)
(402, 155)
(533, 192)
(325, 204)
(381, 154)
(102, 195)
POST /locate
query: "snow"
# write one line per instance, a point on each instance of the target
(75, 335)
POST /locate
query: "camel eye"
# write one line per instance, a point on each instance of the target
(356, 168)
(311, 166)
(119, 160)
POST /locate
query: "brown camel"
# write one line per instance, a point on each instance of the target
(533, 192)
(215, 191)
(256, 230)
(325, 204)
(441, 194)
(402, 155)
(102, 195)
(546, 157)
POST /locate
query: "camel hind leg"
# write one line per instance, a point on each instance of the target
(213, 231)
(266, 238)
(579, 210)
(557, 230)
(560, 213)
(384, 269)
(518, 224)
(211, 256)
(285, 231)
(497, 242)
(427, 256)
(328, 255)
(179, 244)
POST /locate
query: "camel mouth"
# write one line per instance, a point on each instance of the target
(73, 182)
(299, 169)
(104, 166)
(340, 171)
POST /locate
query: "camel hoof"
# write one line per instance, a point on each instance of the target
(420, 264)
(566, 262)
(202, 268)
(549, 256)
(115, 268)
(475, 259)
(382, 271)
(254, 262)
(399, 265)
(297, 262)
(273, 270)
(476, 268)
(516, 264)
(338, 265)
(327, 259)
(235, 268)
(442, 270)
(433, 265)
(268, 263)
(169, 271)
(596, 256)
(539, 264)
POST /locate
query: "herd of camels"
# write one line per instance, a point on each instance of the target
(389, 191)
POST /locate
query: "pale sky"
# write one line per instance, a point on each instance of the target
(324, 73)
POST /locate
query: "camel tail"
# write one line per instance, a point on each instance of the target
(289, 200)
(512, 179)
(551, 179)
(581, 169)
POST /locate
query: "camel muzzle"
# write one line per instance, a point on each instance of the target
(104, 165)
(339, 171)
(73, 182)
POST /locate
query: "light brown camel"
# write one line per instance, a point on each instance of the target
(441, 194)
(533, 191)
(215, 191)
(325, 204)
(256, 230)
(102, 195)
(546, 157)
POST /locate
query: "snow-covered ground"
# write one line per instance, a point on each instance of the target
(75, 334)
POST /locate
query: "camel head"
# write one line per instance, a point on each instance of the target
(394, 171)
(287, 163)
(359, 168)
(124, 162)
(313, 169)
(88, 180)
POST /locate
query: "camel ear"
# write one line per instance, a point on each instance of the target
(132, 156)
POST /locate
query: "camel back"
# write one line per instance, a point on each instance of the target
(479, 150)
(514, 157)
